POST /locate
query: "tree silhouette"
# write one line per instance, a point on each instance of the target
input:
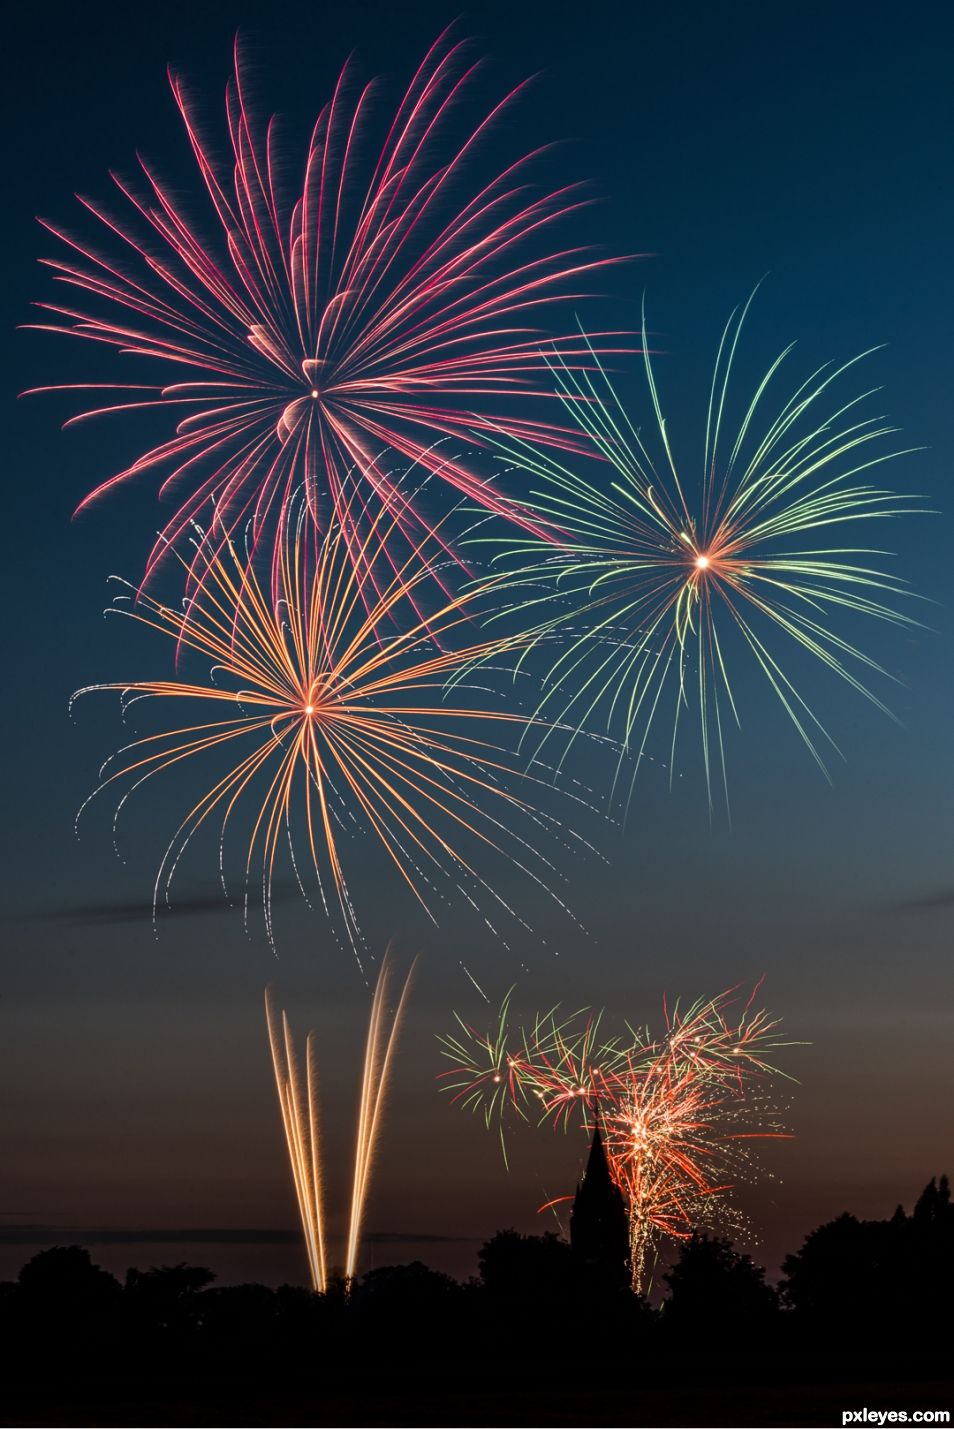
(931, 1258)
(716, 1292)
(840, 1271)
(66, 1275)
(409, 1313)
(528, 1268)
(164, 1303)
(391, 1286)
(881, 1289)
(889, 1281)
(933, 1206)
(63, 1299)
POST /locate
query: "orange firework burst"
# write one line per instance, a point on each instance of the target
(329, 706)
(678, 1130)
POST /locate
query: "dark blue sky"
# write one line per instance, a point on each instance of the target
(727, 142)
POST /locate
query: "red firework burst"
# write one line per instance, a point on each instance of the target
(381, 312)
(680, 1114)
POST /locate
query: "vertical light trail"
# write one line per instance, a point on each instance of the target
(378, 1056)
(314, 1140)
(301, 1126)
(301, 1120)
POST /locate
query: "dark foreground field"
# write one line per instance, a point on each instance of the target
(701, 1402)
(796, 1405)
(862, 1324)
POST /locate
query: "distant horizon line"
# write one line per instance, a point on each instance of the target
(42, 1233)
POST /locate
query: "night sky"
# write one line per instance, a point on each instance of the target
(810, 144)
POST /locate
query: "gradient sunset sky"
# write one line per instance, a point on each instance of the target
(726, 143)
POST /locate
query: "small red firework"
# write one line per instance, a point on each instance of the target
(679, 1114)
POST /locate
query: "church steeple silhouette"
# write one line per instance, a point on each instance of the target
(599, 1230)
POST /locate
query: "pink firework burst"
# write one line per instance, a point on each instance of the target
(375, 315)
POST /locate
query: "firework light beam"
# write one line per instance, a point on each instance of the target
(380, 306)
(679, 1114)
(300, 1123)
(383, 1028)
(651, 578)
(299, 1106)
(333, 704)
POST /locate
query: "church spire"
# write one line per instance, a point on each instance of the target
(599, 1232)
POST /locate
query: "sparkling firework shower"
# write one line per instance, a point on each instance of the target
(329, 719)
(679, 1113)
(299, 1102)
(380, 306)
(661, 581)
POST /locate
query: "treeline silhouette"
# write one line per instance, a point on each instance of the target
(857, 1294)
